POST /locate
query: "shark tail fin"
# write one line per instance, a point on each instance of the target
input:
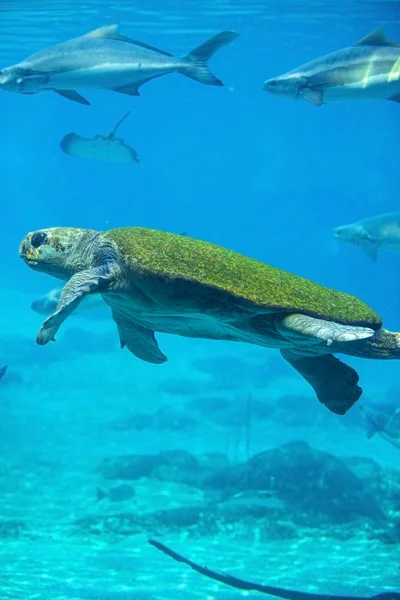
(195, 63)
(100, 494)
(3, 371)
(370, 431)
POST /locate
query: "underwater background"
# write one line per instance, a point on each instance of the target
(80, 419)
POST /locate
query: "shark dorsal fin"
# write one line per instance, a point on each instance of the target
(110, 32)
(376, 38)
(107, 32)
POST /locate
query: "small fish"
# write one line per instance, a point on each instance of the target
(249, 499)
(100, 147)
(3, 371)
(382, 419)
(47, 304)
(104, 59)
(255, 498)
(368, 70)
(119, 493)
(377, 233)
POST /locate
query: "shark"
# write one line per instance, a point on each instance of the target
(383, 419)
(104, 59)
(367, 70)
(371, 235)
(46, 304)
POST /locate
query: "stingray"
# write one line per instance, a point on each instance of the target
(242, 584)
(100, 147)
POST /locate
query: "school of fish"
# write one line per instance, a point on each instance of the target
(104, 59)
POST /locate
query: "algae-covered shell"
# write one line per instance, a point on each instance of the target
(239, 282)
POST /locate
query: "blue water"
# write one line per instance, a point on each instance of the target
(264, 176)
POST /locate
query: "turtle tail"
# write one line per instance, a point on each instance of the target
(384, 345)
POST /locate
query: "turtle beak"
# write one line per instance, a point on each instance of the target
(27, 252)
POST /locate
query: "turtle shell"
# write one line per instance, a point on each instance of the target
(229, 278)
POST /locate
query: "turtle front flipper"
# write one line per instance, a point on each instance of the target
(334, 382)
(139, 340)
(81, 284)
(299, 327)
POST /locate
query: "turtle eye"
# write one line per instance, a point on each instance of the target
(38, 239)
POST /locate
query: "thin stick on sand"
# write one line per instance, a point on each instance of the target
(248, 426)
(242, 584)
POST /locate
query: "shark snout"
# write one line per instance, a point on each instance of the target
(344, 232)
(290, 85)
(337, 232)
(9, 80)
(271, 85)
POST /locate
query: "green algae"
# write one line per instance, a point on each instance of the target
(245, 280)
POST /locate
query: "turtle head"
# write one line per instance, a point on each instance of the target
(58, 251)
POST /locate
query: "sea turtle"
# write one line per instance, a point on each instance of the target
(159, 281)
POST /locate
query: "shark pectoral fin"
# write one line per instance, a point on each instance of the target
(334, 382)
(370, 249)
(315, 97)
(72, 95)
(139, 340)
(371, 430)
(395, 98)
(376, 38)
(132, 89)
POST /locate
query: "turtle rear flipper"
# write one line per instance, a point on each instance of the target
(334, 382)
(300, 327)
(81, 284)
(139, 340)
